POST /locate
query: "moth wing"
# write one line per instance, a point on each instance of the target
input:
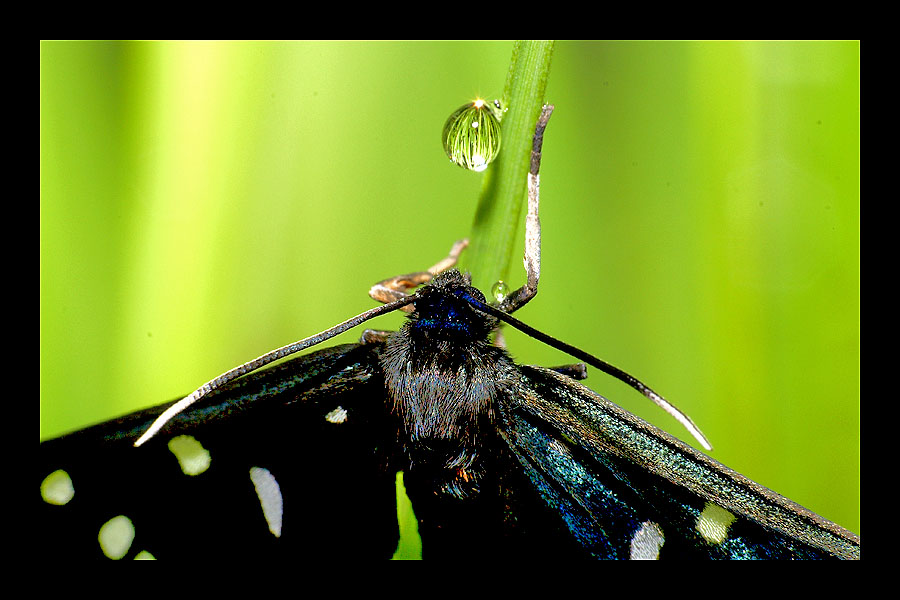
(286, 461)
(626, 489)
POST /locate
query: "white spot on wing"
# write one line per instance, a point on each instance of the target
(338, 415)
(269, 493)
(647, 541)
(713, 523)
(116, 536)
(57, 488)
(192, 457)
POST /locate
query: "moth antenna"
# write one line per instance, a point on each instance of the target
(271, 357)
(520, 297)
(604, 366)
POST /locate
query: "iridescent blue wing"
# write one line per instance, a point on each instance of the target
(289, 461)
(625, 489)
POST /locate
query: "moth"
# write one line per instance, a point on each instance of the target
(299, 458)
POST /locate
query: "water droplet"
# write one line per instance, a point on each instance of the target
(500, 291)
(471, 135)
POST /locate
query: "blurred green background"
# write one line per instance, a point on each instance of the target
(204, 202)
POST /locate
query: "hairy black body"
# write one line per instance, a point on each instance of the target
(444, 379)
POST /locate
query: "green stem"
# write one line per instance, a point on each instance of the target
(498, 217)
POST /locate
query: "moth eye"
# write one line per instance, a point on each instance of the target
(471, 135)
(500, 291)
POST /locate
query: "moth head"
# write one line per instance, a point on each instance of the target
(447, 309)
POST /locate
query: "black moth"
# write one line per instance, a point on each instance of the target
(499, 460)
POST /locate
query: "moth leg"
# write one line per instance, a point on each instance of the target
(578, 371)
(451, 259)
(395, 288)
(373, 336)
(532, 258)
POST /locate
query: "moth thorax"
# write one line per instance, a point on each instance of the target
(445, 399)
